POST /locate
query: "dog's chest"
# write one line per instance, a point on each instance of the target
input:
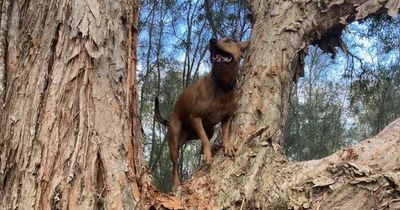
(218, 111)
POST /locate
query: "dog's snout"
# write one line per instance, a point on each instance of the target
(213, 40)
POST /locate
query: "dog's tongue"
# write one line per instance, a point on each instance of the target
(220, 58)
(217, 58)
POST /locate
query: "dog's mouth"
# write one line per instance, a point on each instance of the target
(219, 56)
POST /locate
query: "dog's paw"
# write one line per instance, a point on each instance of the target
(207, 157)
(230, 150)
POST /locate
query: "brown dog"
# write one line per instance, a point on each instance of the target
(207, 102)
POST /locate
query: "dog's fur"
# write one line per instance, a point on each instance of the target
(207, 102)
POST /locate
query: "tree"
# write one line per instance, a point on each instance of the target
(71, 137)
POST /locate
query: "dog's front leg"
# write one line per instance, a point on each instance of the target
(229, 147)
(197, 124)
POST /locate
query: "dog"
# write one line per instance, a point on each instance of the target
(205, 103)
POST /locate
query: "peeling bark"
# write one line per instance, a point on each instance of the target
(364, 176)
(70, 138)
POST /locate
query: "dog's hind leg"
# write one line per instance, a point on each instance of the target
(174, 147)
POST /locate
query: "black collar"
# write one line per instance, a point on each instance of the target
(226, 87)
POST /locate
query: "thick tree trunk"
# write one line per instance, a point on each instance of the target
(365, 176)
(69, 135)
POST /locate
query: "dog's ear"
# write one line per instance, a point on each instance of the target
(243, 46)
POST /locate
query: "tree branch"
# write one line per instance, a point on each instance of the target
(209, 15)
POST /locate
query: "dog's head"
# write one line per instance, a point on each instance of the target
(226, 52)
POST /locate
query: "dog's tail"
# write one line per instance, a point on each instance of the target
(157, 115)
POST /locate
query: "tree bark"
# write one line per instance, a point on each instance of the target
(365, 176)
(70, 136)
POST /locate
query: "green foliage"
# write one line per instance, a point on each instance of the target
(230, 18)
(315, 126)
(376, 100)
(386, 30)
(328, 113)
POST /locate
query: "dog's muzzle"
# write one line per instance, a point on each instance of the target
(217, 55)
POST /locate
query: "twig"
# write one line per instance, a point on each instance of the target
(243, 202)
(364, 70)
(209, 16)
(259, 132)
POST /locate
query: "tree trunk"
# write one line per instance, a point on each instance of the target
(69, 137)
(365, 176)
